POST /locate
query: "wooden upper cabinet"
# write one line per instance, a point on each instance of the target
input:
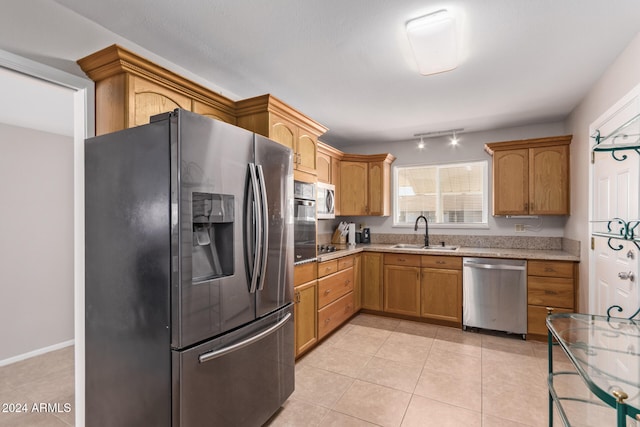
(365, 184)
(549, 180)
(306, 147)
(269, 116)
(323, 167)
(130, 89)
(531, 177)
(511, 182)
(354, 182)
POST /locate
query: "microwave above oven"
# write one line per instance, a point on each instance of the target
(325, 200)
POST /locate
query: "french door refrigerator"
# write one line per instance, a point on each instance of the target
(188, 275)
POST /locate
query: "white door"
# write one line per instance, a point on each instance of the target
(614, 205)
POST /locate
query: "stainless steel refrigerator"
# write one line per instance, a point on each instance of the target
(189, 275)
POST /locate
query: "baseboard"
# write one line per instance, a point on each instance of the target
(37, 352)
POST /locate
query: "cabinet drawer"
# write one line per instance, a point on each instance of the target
(536, 318)
(440, 261)
(304, 273)
(335, 314)
(345, 262)
(327, 267)
(333, 287)
(550, 291)
(402, 259)
(550, 268)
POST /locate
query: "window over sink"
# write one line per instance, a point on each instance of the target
(449, 195)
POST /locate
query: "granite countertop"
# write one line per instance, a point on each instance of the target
(551, 255)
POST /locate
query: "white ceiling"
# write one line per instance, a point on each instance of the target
(347, 63)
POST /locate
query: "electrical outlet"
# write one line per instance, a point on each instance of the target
(519, 227)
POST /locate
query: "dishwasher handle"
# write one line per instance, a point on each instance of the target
(495, 266)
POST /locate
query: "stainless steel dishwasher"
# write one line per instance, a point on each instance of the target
(494, 294)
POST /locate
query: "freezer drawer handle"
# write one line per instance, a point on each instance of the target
(494, 266)
(226, 350)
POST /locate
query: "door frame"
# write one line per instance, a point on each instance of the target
(606, 115)
(83, 127)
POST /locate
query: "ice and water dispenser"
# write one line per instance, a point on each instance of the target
(212, 254)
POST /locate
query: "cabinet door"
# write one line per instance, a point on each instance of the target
(306, 147)
(305, 316)
(335, 180)
(149, 99)
(284, 132)
(354, 188)
(379, 192)
(441, 294)
(549, 180)
(323, 167)
(372, 281)
(357, 282)
(402, 290)
(511, 182)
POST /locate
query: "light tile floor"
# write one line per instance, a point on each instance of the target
(378, 371)
(374, 371)
(47, 379)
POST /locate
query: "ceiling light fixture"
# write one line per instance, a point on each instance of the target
(433, 42)
(421, 143)
(438, 133)
(454, 139)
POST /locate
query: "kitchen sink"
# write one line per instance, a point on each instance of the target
(425, 248)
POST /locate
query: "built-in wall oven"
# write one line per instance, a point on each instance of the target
(304, 225)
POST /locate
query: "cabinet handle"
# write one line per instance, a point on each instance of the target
(549, 292)
(347, 309)
(297, 297)
(549, 310)
(440, 262)
(327, 291)
(549, 270)
(402, 259)
(326, 322)
(346, 282)
(526, 206)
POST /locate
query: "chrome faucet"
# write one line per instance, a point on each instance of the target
(426, 229)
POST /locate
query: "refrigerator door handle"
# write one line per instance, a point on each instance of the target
(257, 212)
(265, 226)
(237, 346)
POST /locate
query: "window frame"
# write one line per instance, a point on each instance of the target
(485, 197)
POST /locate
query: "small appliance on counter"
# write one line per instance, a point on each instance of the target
(366, 236)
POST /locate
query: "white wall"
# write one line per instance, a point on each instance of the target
(470, 148)
(36, 248)
(622, 76)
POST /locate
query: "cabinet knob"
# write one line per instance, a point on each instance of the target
(326, 322)
(327, 291)
(549, 310)
(346, 282)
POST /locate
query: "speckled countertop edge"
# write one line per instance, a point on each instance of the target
(540, 254)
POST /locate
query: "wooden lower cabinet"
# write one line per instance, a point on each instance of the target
(334, 314)
(305, 317)
(305, 307)
(357, 282)
(441, 294)
(441, 288)
(550, 284)
(402, 284)
(335, 294)
(372, 263)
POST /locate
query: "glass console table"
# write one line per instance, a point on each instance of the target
(605, 352)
